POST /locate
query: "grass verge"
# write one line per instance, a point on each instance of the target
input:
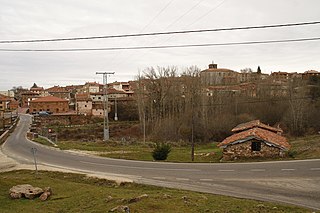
(79, 193)
(302, 148)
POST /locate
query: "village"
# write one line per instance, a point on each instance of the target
(194, 106)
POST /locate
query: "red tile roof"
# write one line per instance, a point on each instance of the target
(57, 89)
(83, 97)
(48, 99)
(255, 123)
(257, 133)
(4, 98)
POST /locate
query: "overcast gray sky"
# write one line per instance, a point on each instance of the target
(40, 19)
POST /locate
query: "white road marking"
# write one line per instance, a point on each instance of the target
(159, 178)
(136, 167)
(257, 170)
(206, 179)
(226, 170)
(315, 169)
(288, 169)
(183, 179)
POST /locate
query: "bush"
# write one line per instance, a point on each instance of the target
(161, 151)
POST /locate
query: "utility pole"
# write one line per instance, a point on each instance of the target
(105, 105)
(115, 109)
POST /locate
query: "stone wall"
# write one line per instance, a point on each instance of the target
(243, 150)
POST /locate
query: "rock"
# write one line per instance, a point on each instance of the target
(261, 206)
(46, 194)
(47, 189)
(136, 199)
(185, 198)
(25, 190)
(109, 198)
(125, 209)
(166, 196)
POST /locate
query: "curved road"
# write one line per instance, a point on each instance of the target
(291, 182)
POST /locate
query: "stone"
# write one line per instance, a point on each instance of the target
(166, 196)
(109, 198)
(261, 206)
(44, 196)
(136, 199)
(185, 198)
(125, 209)
(25, 190)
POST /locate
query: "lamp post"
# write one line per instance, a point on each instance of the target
(105, 105)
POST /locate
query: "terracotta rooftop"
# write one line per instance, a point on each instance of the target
(4, 98)
(57, 89)
(257, 133)
(83, 97)
(29, 93)
(255, 123)
(49, 99)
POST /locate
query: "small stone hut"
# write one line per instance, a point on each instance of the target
(254, 139)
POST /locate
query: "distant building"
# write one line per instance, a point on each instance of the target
(254, 139)
(218, 76)
(9, 93)
(39, 90)
(83, 104)
(26, 97)
(91, 87)
(4, 102)
(307, 74)
(49, 103)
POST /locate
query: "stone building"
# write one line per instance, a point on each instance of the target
(254, 140)
(49, 103)
(218, 76)
(83, 104)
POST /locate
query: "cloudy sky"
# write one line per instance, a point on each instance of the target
(44, 19)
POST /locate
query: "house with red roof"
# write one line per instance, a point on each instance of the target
(49, 103)
(254, 139)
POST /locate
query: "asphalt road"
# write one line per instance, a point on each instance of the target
(291, 182)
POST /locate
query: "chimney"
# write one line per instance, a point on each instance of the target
(213, 66)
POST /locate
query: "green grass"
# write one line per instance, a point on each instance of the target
(42, 141)
(143, 152)
(78, 193)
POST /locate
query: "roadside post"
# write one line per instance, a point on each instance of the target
(34, 151)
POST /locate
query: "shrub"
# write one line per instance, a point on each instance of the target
(161, 151)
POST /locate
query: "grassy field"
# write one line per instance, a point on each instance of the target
(78, 193)
(203, 153)
(305, 147)
(302, 148)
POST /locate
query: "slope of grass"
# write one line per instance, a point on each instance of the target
(307, 147)
(78, 193)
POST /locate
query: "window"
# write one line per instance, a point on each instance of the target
(256, 146)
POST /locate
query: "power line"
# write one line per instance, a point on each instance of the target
(162, 46)
(156, 16)
(162, 33)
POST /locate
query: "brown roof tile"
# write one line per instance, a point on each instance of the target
(257, 133)
(49, 99)
(255, 123)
